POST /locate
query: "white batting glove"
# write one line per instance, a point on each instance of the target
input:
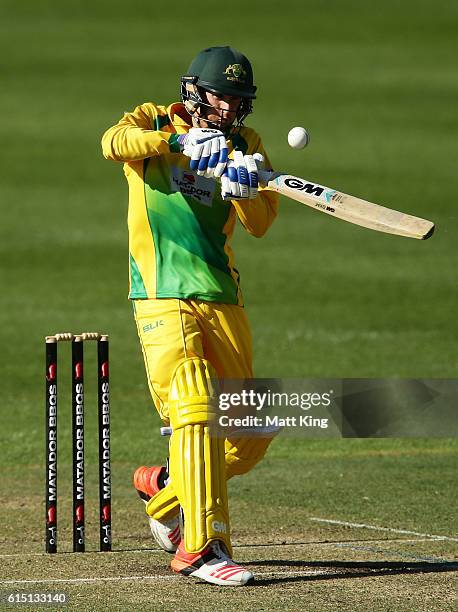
(207, 149)
(240, 179)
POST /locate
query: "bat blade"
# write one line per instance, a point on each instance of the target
(347, 207)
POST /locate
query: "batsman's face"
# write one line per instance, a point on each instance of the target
(223, 108)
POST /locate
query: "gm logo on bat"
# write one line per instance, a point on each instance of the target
(314, 190)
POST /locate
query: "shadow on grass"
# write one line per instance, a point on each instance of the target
(350, 569)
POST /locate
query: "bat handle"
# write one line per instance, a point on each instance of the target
(264, 175)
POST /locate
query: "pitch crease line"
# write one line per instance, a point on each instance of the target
(390, 529)
(158, 577)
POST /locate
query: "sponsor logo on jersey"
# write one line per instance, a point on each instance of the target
(189, 178)
(191, 185)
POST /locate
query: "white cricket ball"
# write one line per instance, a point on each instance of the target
(298, 138)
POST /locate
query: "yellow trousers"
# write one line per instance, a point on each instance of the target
(171, 330)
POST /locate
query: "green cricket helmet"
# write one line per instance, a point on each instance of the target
(219, 70)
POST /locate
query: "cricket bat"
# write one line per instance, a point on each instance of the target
(347, 207)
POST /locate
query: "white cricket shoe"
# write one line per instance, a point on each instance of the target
(167, 534)
(212, 565)
(147, 481)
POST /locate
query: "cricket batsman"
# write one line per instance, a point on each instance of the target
(192, 171)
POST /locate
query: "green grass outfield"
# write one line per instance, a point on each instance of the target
(376, 86)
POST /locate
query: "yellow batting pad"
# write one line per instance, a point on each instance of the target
(164, 505)
(197, 464)
(241, 455)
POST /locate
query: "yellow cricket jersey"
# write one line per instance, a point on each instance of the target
(179, 226)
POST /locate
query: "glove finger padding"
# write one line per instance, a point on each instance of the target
(226, 193)
(252, 170)
(207, 149)
(234, 186)
(195, 153)
(230, 188)
(221, 165)
(214, 157)
(242, 175)
(204, 158)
